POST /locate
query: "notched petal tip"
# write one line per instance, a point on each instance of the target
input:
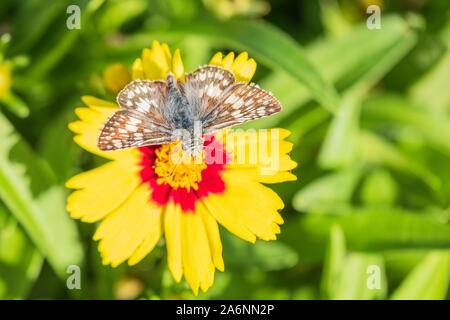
(228, 60)
(217, 59)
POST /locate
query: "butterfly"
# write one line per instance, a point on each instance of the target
(159, 112)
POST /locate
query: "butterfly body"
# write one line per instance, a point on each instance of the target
(158, 112)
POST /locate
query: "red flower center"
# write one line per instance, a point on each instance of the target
(180, 182)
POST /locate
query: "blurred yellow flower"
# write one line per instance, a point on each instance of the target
(116, 76)
(5, 80)
(138, 202)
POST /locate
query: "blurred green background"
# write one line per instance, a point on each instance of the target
(369, 112)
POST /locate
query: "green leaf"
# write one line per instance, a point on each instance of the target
(373, 149)
(379, 188)
(400, 110)
(332, 191)
(350, 275)
(339, 149)
(362, 278)
(32, 21)
(15, 105)
(376, 229)
(432, 89)
(334, 261)
(372, 55)
(20, 261)
(27, 189)
(117, 13)
(429, 280)
(265, 255)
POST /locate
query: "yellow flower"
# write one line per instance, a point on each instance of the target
(5, 80)
(116, 76)
(139, 201)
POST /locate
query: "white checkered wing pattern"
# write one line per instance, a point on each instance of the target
(222, 103)
(140, 121)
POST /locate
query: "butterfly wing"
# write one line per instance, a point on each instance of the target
(221, 103)
(140, 121)
(240, 104)
(204, 88)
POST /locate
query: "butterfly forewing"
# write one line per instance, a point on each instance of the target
(205, 87)
(151, 110)
(240, 104)
(146, 97)
(141, 121)
(127, 129)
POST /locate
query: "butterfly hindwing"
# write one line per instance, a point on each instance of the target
(240, 104)
(149, 108)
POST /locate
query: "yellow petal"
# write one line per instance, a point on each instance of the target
(172, 231)
(238, 64)
(198, 267)
(96, 103)
(92, 120)
(155, 67)
(212, 231)
(228, 60)
(242, 67)
(216, 59)
(102, 189)
(138, 69)
(167, 54)
(5, 80)
(251, 204)
(177, 65)
(125, 229)
(264, 149)
(219, 208)
(246, 71)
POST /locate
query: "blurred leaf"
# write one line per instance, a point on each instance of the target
(15, 105)
(373, 149)
(265, 255)
(330, 192)
(374, 229)
(119, 12)
(307, 122)
(20, 261)
(56, 137)
(351, 276)
(340, 145)
(27, 190)
(372, 55)
(431, 90)
(379, 188)
(32, 21)
(400, 110)
(429, 280)
(332, 19)
(334, 260)
(358, 272)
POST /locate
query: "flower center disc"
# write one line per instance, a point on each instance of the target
(177, 168)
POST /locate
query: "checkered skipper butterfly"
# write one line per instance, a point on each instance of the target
(158, 112)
